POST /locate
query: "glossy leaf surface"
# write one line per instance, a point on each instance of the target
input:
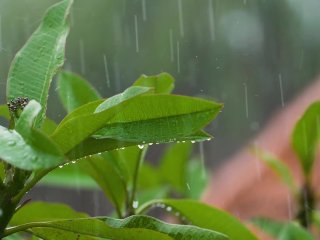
(161, 83)
(37, 62)
(306, 135)
(205, 216)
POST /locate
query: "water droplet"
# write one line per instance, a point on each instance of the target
(169, 209)
(61, 166)
(141, 146)
(135, 204)
(150, 144)
(11, 143)
(193, 141)
(73, 161)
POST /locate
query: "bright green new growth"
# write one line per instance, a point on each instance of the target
(306, 136)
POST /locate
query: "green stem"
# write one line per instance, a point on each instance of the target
(131, 209)
(24, 227)
(306, 204)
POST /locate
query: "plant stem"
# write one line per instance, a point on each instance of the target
(131, 209)
(24, 227)
(306, 203)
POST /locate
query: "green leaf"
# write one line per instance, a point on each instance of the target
(37, 152)
(112, 183)
(149, 194)
(160, 118)
(196, 179)
(69, 176)
(269, 226)
(4, 112)
(27, 118)
(75, 91)
(43, 211)
(173, 165)
(48, 125)
(293, 231)
(306, 135)
(37, 62)
(149, 177)
(280, 168)
(185, 232)
(73, 229)
(316, 218)
(205, 216)
(161, 83)
(72, 132)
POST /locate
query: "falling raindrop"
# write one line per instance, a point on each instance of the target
(201, 151)
(82, 57)
(106, 70)
(136, 32)
(11, 143)
(0, 32)
(178, 56)
(135, 204)
(188, 186)
(281, 89)
(144, 10)
(171, 45)
(141, 146)
(246, 99)
(211, 20)
(180, 18)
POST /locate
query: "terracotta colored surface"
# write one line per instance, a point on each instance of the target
(244, 186)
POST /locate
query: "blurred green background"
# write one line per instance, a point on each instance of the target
(252, 55)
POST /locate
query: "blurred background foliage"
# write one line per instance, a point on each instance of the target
(252, 55)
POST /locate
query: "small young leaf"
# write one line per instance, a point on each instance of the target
(279, 168)
(306, 135)
(37, 62)
(205, 216)
(75, 91)
(161, 83)
(43, 211)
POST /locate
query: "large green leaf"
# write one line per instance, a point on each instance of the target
(175, 231)
(75, 91)
(160, 118)
(35, 153)
(132, 228)
(205, 216)
(161, 83)
(72, 132)
(280, 168)
(173, 166)
(37, 62)
(43, 211)
(74, 229)
(306, 136)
